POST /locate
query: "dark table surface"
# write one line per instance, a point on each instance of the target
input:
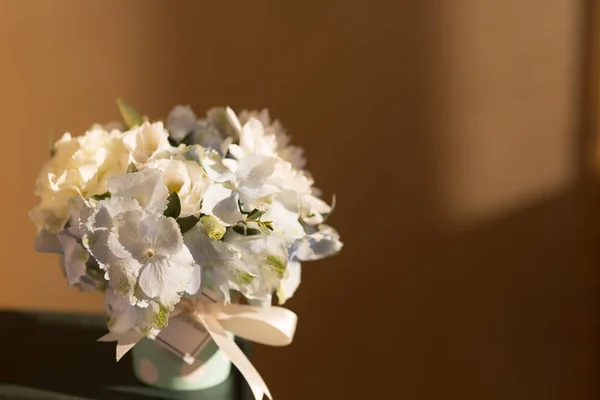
(57, 356)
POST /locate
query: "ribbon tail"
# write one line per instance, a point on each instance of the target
(236, 355)
(125, 342)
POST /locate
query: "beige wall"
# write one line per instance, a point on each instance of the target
(449, 134)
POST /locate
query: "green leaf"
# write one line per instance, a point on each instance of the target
(51, 143)
(173, 206)
(131, 168)
(102, 196)
(130, 116)
(263, 228)
(243, 229)
(241, 207)
(252, 231)
(255, 214)
(187, 223)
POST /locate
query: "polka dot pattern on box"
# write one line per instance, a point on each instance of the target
(148, 371)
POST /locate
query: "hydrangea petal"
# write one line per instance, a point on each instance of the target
(75, 258)
(290, 283)
(221, 203)
(163, 280)
(146, 187)
(120, 315)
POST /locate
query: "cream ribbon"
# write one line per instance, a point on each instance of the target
(273, 326)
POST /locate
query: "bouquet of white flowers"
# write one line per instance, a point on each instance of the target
(156, 214)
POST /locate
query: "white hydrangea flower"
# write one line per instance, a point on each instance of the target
(122, 317)
(313, 210)
(141, 250)
(285, 222)
(324, 242)
(290, 283)
(99, 225)
(294, 186)
(80, 166)
(152, 253)
(182, 121)
(245, 180)
(80, 210)
(46, 242)
(266, 256)
(222, 266)
(147, 142)
(75, 255)
(221, 202)
(146, 187)
(249, 185)
(253, 139)
(218, 118)
(292, 154)
(297, 194)
(213, 164)
(136, 191)
(75, 258)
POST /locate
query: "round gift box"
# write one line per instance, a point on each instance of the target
(159, 367)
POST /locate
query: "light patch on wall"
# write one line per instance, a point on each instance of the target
(507, 110)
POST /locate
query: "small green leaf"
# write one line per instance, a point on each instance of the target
(252, 231)
(130, 116)
(255, 214)
(101, 196)
(269, 225)
(131, 168)
(173, 206)
(241, 207)
(51, 143)
(263, 228)
(187, 223)
(243, 229)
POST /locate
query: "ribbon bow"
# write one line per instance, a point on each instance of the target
(273, 326)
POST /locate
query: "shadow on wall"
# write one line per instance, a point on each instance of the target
(503, 310)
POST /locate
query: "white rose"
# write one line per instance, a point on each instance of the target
(80, 166)
(185, 177)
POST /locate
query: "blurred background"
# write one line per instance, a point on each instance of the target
(458, 137)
